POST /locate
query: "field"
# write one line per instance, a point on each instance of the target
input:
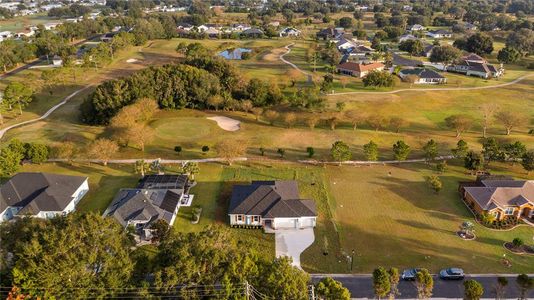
(19, 23)
(390, 217)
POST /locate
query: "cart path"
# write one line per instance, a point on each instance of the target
(45, 115)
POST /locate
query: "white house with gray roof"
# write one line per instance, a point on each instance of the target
(41, 195)
(157, 197)
(271, 205)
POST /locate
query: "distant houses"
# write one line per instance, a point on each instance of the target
(358, 70)
(41, 195)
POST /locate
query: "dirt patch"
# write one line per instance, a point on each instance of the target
(273, 55)
(226, 123)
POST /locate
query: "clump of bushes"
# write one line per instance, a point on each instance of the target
(489, 221)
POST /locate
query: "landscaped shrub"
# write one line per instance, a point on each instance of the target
(178, 149)
(205, 148)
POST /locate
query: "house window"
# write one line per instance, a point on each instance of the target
(256, 218)
(509, 211)
(239, 218)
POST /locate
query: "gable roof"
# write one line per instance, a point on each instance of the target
(502, 193)
(422, 73)
(270, 199)
(156, 197)
(36, 192)
(473, 57)
(356, 67)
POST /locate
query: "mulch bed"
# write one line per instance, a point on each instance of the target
(525, 249)
(464, 236)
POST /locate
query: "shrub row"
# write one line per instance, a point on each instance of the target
(247, 226)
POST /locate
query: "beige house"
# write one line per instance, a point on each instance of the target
(357, 69)
(501, 197)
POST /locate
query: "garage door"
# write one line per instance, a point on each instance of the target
(286, 223)
(307, 222)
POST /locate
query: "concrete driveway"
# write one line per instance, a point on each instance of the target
(292, 242)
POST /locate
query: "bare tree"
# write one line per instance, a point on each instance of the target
(246, 106)
(488, 110)
(147, 108)
(377, 122)
(215, 101)
(312, 121)
(355, 118)
(271, 115)
(140, 134)
(257, 111)
(231, 149)
(102, 149)
(65, 150)
(510, 120)
(290, 119)
(397, 123)
(459, 123)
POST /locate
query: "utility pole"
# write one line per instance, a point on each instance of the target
(312, 291)
(247, 291)
(352, 261)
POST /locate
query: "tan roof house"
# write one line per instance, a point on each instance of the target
(357, 69)
(501, 197)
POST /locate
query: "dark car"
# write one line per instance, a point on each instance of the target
(452, 273)
(409, 274)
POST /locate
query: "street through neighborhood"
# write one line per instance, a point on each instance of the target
(361, 286)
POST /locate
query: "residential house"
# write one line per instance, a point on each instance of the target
(500, 197)
(359, 51)
(4, 35)
(156, 197)
(427, 50)
(330, 33)
(423, 75)
(343, 44)
(252, 33)
(57, 61)
(474, 58)
(238, 27)
(416, 27)
(470, 27)
(476, 68)
(52, 25)
(357, 69)
(212, 32)
(271, 205)
(406, 37)
(289, 32)
(41, 195)
(439, 34)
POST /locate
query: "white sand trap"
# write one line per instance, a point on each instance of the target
(226, 123)
(131, 60)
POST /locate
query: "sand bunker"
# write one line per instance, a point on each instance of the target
(226, 123)
(131, 60)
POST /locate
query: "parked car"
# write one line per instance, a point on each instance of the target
(452, 273)
(409, 274)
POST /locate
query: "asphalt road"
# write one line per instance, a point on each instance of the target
(361, 286)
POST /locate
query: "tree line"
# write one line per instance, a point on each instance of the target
(99, 261)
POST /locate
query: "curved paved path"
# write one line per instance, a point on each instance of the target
(288, 47)
(45, 115)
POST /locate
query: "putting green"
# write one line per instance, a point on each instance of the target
(183, 128)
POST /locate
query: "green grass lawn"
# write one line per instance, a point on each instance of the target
(390, 217)
(20, 23)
